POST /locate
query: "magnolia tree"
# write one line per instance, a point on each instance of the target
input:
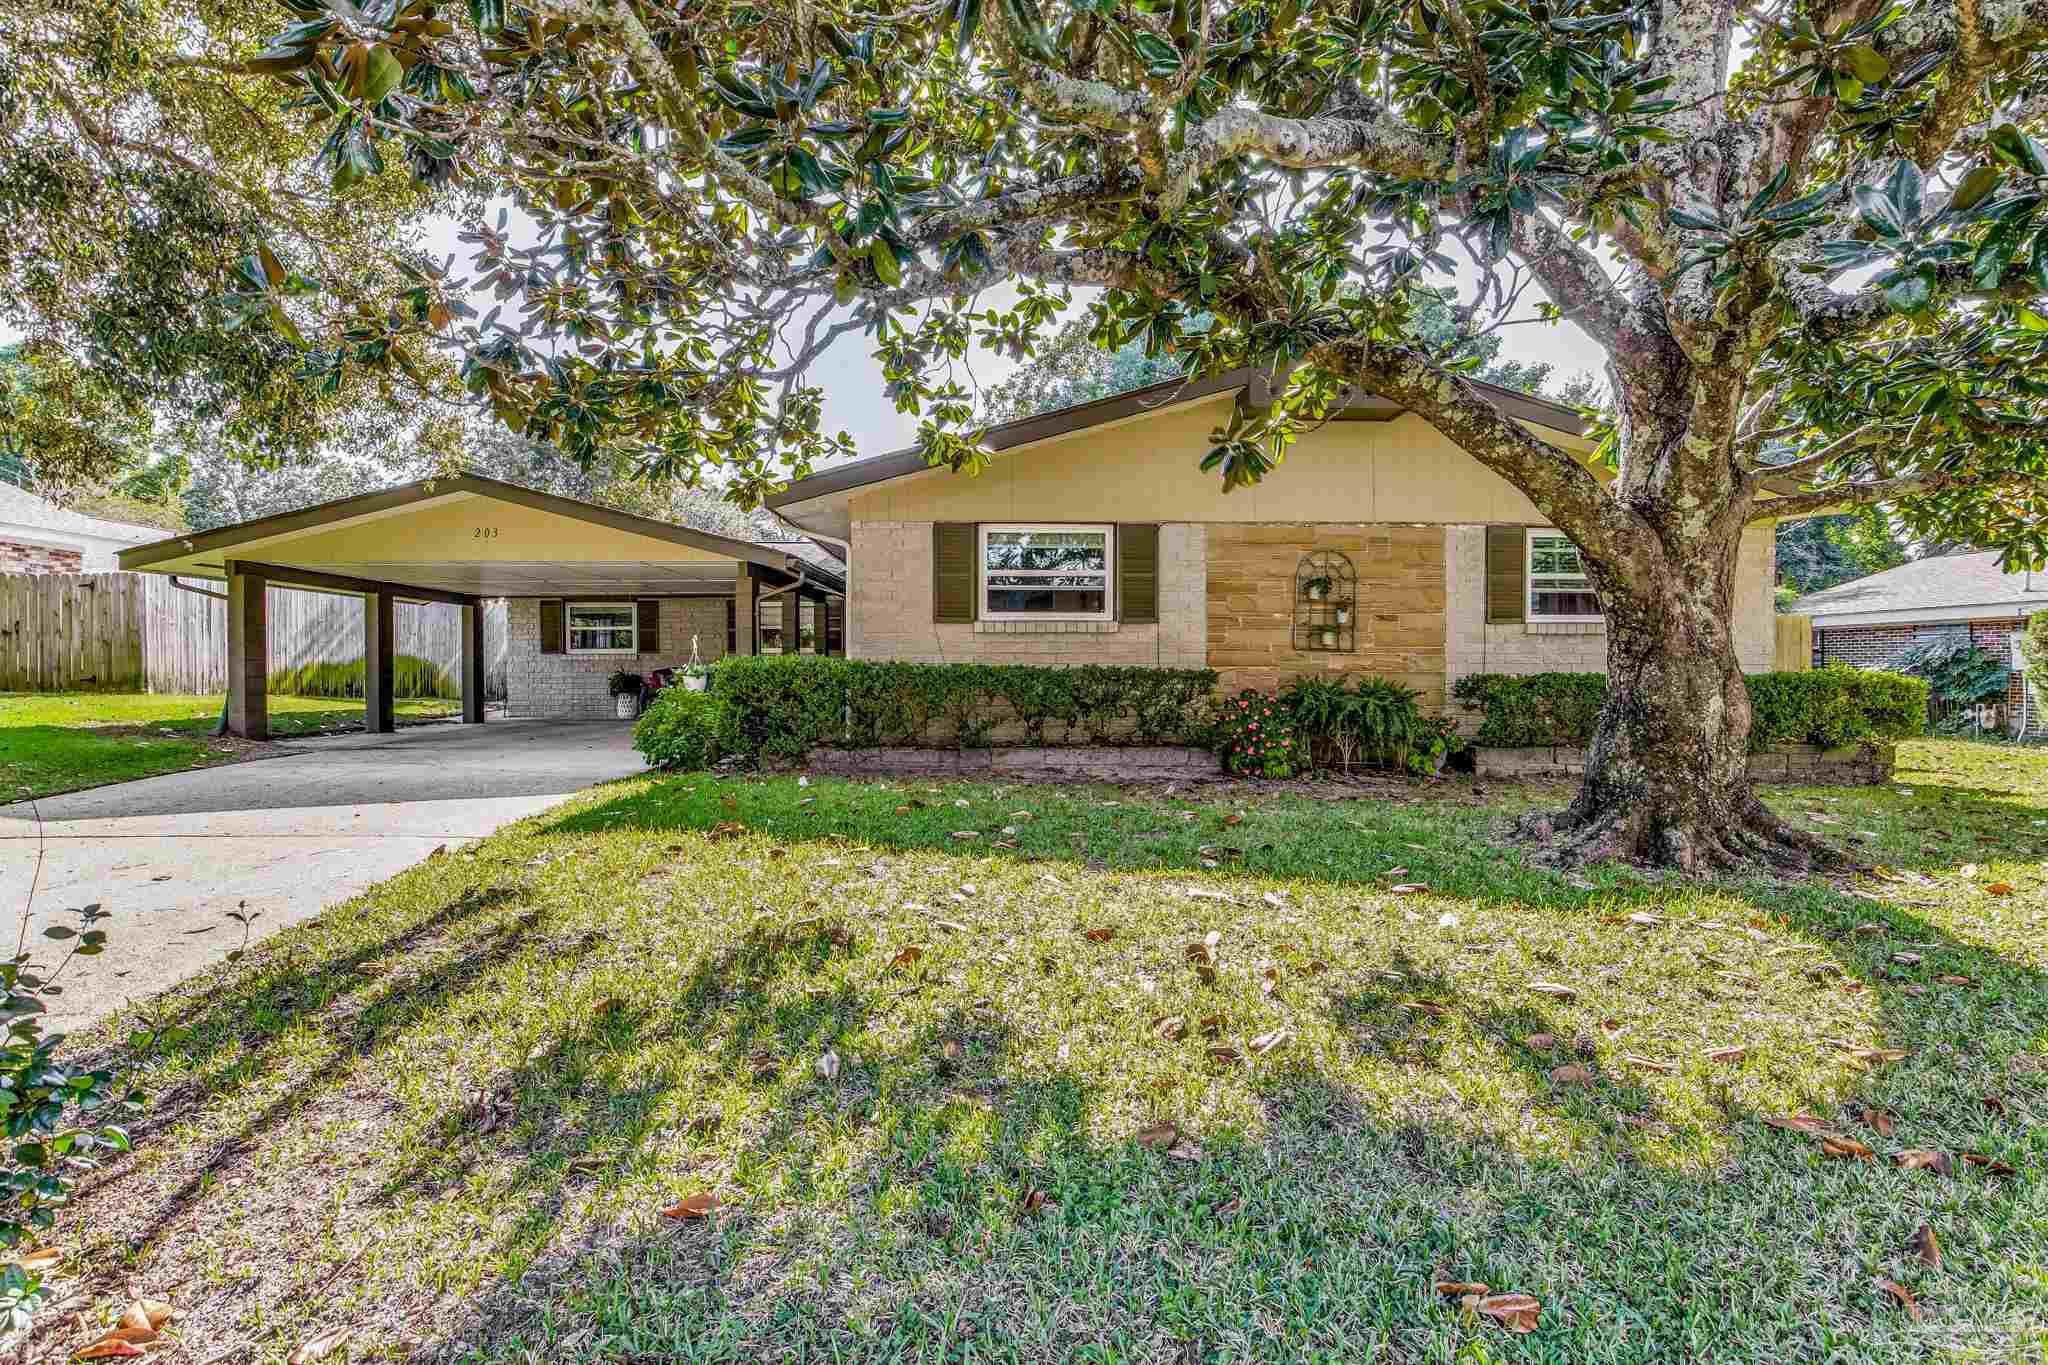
(1812, 239)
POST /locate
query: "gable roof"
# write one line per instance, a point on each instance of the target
(201, 553)
(19, 507)
(1946, 587)
(799, 502)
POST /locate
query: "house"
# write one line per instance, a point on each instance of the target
(1378, 547)
(37, 536)
(589, 590)
(1869, 620)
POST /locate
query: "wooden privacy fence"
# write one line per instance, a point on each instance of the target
(1795, 644)
(140, 632)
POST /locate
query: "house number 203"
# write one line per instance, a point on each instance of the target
(484, 533)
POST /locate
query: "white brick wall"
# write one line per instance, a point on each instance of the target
(1473, 646)
(572, 686)
(889, 610)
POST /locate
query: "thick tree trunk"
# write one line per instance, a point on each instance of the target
(1667, 772)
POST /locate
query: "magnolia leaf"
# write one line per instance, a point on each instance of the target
(320, 1347)
(1926, 1247)
(700, 1205)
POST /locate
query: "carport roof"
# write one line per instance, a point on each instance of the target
(464, 535)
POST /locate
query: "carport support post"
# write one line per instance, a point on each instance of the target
(473, 663)
(248, 653)
(380, 669)
(745, 608)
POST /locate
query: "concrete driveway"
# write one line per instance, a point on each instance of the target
(168, 857)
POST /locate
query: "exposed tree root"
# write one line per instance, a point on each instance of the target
(1750, 838)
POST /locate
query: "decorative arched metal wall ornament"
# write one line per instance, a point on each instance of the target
(1325, 603)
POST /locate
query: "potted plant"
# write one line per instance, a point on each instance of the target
(1328, 636)
(1344, 615)
(1317, 588)
(626, 689)
(696, 677)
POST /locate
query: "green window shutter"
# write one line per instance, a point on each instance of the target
(551, 627)
(1137, 573)
(647, 613)
(954, 575)
(1507, 568)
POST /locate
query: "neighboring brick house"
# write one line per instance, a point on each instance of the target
(1093, 538)
(39, 537)
(1868, 621)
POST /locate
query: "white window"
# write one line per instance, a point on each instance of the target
(603, 628)
(1046, 573)
(1559, 589)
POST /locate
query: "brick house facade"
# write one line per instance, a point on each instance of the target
(20, 556)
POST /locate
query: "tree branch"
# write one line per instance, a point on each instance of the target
(1843, 496)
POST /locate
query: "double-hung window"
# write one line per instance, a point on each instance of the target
(602, 628)
(1046, 573)
(1559, 588)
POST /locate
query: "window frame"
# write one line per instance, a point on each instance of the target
(981, 571)
(569, 610)
(1529, 589)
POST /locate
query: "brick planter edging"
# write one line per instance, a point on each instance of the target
(1104, 762)
(1863, 764)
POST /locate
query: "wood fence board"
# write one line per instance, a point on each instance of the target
(134, 632)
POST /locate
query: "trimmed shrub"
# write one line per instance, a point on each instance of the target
(1829, 706)
(414, 677)
(1370, 719)
(681, 729)
(783, 707)
(1531, 709)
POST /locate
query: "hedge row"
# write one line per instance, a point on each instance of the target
(786, 706)
(1829, 706)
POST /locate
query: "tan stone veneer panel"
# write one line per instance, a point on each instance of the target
(1400, 604)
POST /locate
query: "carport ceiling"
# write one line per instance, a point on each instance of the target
(475, 536)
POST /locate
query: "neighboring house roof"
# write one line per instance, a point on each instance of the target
(818, 503)
(814, 553)
(19, 507)
(1945, 588)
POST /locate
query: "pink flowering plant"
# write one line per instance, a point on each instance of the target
(1255, 736)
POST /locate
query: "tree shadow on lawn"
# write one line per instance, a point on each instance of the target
(878, 1211)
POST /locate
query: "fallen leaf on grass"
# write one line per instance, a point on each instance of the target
(36, 1258)
(1185, 1150)
(828, 1065)
(1171, 1027)
(320, 1347)
(1571, 1075)
(1458, 1289)
(1224, 1056)
(1540, 1042)
(1722, 1055)
(907, 959)
(1906, 959)
(1998, 889)
(1158, 1137)
(1266, 1042)
(965, 834)
(1102, 935)
(1901, 1296)
(724, 829)
(1923, 1159)
(1875, 1056)
(1428, 1007)
(1229, 1208)
(765, 1063)
(1991, 1164)
(1800, 1123)
(951, 1051)
(1516, 1312)
(1869, 930)
(1553, 989)
(700, 1205)
(1993, 1104)
(109, 1347)
(146, 1315)
(1926, 1247)
(1834, 1144)
(1408, 888)
(1879, 1120)
(1649, 1063)
(1033, 1201)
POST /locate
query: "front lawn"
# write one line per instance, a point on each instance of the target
(1121, 1077)
(62, 741)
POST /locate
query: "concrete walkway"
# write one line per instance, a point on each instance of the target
(168, 857)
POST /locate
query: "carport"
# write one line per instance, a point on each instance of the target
(462, 539)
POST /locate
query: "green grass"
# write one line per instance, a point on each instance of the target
(54, 742)
(449, 1113)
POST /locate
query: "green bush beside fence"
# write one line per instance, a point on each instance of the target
(1828, 706)
(415, 677)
